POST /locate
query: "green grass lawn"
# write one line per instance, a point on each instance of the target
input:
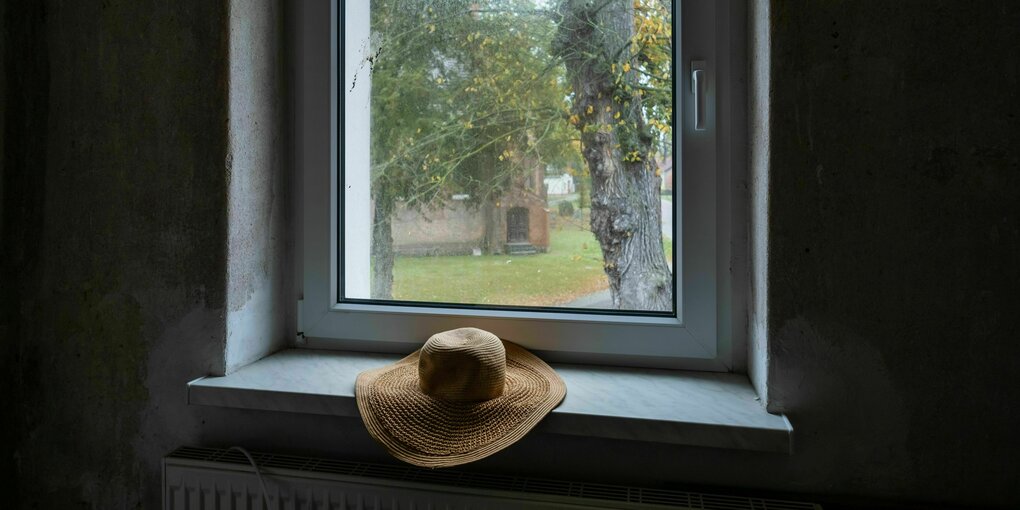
(572, 268)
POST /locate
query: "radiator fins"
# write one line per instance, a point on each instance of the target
(197, 478)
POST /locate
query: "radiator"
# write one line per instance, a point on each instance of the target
(211, 478)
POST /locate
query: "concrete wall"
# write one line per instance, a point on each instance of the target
(894, 255)
(892, 276)
(758, 146)
(117, 136)
(258, 277)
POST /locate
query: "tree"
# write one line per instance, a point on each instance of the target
(462, 97)
(465, 93)
(616, 56)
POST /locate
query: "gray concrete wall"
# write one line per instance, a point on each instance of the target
(759, 123)
(894, 250)
(114, 271)
(3, 107)
(892, 277)
(258, 275)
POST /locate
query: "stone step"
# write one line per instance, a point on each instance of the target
(520, 249)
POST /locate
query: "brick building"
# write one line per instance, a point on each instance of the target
(517, 223)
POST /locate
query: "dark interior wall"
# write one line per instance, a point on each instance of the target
(3, 106)
(114, 234)
(8, 350)
(24, 131)
(894, 248)
(895, 244)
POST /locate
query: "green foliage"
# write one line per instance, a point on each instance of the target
(633, 75)
(566, 208)
(584, 192)
(465, 96)
(652, 49)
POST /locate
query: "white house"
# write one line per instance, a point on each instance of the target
(560, 185)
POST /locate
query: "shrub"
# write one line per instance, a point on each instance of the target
(566, 208)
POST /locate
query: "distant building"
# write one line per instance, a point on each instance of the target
(560, 185)
(517, 223)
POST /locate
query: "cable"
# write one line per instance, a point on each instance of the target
(262, 482)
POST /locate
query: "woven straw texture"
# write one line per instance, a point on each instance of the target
(432, 432)
(463, 364)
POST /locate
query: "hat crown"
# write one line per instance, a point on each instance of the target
(465, 364)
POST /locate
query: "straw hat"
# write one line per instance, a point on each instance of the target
(463, 396)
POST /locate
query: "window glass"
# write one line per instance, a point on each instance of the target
(517, 153)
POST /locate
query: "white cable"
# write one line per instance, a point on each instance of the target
(262, 482)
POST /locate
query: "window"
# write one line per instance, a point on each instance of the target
(451, 122)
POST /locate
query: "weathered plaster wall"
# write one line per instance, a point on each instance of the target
(8, 350)
(114, 199)
(895, 244)
(116, 141)
(3, 106)
(759, 54)
(257, 259)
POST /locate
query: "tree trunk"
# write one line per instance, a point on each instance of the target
(491, 241)
(625, 208)
(382, 249)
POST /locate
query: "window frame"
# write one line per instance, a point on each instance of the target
(702, 336)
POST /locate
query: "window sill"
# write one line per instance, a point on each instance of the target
(688, 408)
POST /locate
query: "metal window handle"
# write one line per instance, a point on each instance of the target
(698, 88)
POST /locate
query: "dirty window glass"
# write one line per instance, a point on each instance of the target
(514, 153)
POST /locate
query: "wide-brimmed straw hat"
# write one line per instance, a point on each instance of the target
(463, 396)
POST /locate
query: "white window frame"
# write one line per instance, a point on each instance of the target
(700, 337)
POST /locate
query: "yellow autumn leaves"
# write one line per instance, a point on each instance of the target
(632, 156)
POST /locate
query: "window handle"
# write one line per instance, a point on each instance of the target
(698, 80)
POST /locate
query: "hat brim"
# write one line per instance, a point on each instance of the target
(430, 432)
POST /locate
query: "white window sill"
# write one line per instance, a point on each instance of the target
(688, 408)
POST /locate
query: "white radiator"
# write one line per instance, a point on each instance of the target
(221, 479)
